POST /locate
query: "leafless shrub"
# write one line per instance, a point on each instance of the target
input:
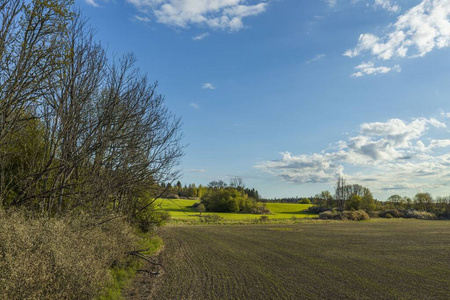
(210, 218)
(356, 215)
(392, 213)
(58, 258)
(410, 213)
(329, 215)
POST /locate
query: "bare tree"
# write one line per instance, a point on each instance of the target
(107, 137)
(31, 51)
(342, 193)
(237, 182)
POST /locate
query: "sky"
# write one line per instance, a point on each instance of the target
(291, 94)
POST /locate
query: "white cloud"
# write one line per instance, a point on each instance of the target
(417, 32)
(194, 105)
(315, 168)
(143, 19)
(216, 14)
(208, 86)
(387, 5)
(445, 115)
(439, 143)
(368, 68)
(92, 2)
(316, 58)
(331, 3)
(383, 155)
(196, 171)
(200, 36)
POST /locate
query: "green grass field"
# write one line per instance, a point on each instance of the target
(181, 209)
(379, 259)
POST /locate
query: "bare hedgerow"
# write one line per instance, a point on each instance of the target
(354, 215)
(410, 213)
(58, 258)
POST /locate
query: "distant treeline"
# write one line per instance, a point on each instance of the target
(356, 197)
(218, 196)
(193, 191)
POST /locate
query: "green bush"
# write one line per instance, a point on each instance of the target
(354, 203)
(200, 208)
(228, 200)
(304, 201)
(146, 217)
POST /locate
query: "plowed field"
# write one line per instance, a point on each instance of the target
(389, 259)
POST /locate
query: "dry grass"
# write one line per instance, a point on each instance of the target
(59, 258)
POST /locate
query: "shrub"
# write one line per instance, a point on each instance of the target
(318, 209)
(354, 203)
(374, 214)
(261, 209)
(407, 213)
(423, 215)
(443, 215)
(329, 215)
(354, 215)
(211, 219)
(304, 201)
(200, 208)
(60, 258)
(228, 200)
(264, 219)
(392, 213)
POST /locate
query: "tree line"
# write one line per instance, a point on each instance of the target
(219, 196)
(77, 129)
(356, 197)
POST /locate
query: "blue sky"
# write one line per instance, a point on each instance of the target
(291, 94)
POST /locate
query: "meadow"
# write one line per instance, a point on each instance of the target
(182, 209)
(380, 259)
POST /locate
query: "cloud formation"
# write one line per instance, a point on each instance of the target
(385, 155)
(92, 2)
(194, 105)
(208, 86)
(216, 14)
(200, 36)
(417, 32)
(142, 19)
(368, 68)
(316, 58)
(387, 5)
(331, 3)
